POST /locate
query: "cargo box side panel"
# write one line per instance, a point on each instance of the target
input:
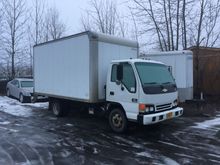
(62, 68)
(106, 53)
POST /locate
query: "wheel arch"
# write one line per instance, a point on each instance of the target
(113, 105)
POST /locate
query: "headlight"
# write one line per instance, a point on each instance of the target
(175, 103)
(145, 108)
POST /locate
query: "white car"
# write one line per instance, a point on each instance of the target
(21, 89)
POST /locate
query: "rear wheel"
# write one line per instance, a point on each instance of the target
(118, 120)
(8, 93)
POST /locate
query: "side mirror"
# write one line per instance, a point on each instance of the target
(119, 76)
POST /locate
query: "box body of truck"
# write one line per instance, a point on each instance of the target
(75, 67)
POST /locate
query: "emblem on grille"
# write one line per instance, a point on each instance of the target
(164, 90)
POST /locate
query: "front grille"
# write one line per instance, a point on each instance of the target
(163, 107)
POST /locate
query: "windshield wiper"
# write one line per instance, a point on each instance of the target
(167, 82)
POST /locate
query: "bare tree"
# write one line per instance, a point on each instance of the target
(184, 31)
(135, 29)
(14, 30)
(54, 28)
(104, 17)
(35, 27)
(172, 21)
(177, 24)
(37, 20)
(201, 15)
(211, 26)
(1, 30)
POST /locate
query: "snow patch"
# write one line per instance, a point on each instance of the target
(169, 161)
(69, 125)
(13, 107)
(144, 154)
(80, 148)
(4, 123)
(65, 153)
(95, 151)
(11, 130)
(174, 145)
(209, 124)
(127, 141)
(214, 155)
(92, 143)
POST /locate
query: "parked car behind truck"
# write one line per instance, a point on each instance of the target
(103, 73)
(22, 89)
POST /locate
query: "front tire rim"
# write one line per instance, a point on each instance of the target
(117, 120)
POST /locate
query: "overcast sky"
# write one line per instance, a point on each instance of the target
(70, 11)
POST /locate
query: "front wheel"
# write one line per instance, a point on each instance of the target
(21, 98)
(118, 120)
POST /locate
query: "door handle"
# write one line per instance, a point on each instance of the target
(112, 93)
(134, 100)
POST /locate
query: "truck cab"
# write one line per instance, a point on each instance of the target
(140, 90)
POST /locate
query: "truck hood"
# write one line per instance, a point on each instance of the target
(157, 99)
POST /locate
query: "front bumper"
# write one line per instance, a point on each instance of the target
(38, 98)
(160, 116)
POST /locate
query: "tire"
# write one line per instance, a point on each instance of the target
(118, 120)
(8, 93)
(57, 108)
(21, 98)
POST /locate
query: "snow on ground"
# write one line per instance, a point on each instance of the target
(169, 161)
(16, 108)
(213, 123)
(4, 123)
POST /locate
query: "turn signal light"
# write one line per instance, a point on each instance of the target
(142, 107)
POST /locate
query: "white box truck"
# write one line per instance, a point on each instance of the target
(180, 64)
(102, 73)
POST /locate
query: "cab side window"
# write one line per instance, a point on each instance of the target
(128, 80)
(114, 72)
(17, 84)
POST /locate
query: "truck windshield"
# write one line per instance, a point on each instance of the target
(26, 84)
(155, 78)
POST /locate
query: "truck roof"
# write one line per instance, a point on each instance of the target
(159, 53)
(24, 79)
(137, 60)
(97, 36)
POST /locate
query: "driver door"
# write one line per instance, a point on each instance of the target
(124, 92)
